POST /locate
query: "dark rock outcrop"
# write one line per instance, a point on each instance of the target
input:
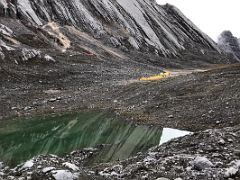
(229, 43)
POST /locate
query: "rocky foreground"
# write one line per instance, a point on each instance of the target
(210, 154)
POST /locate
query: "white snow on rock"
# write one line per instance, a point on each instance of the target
(71, 166)
(63, 175)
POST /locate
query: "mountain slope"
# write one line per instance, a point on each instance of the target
(89, 44)
(139, 24)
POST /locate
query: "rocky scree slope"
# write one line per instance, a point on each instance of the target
(230, 44)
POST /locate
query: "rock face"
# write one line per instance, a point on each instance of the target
(230, 44)
(138, 24)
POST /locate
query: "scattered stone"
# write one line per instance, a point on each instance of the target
(201, 163)
(59, 98)
(27, 108)
(71, 166)
(52, 100)
(48, 169)
(231, 172)
(221, 141)
(14, 108)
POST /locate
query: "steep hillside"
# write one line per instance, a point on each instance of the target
(139, 24)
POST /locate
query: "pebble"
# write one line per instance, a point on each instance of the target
(52, 100)
(27, 108)
(221, 141)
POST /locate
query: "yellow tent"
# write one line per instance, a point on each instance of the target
(155, 78)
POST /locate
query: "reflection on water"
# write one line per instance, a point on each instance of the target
(168, 134)
(21, 139)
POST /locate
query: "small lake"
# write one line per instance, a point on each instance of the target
(22, 139)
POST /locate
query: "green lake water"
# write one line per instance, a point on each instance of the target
(22, 139)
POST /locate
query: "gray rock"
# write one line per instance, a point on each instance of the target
(201, 163)
(1, 165)
(162, 178)
(229, 44)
